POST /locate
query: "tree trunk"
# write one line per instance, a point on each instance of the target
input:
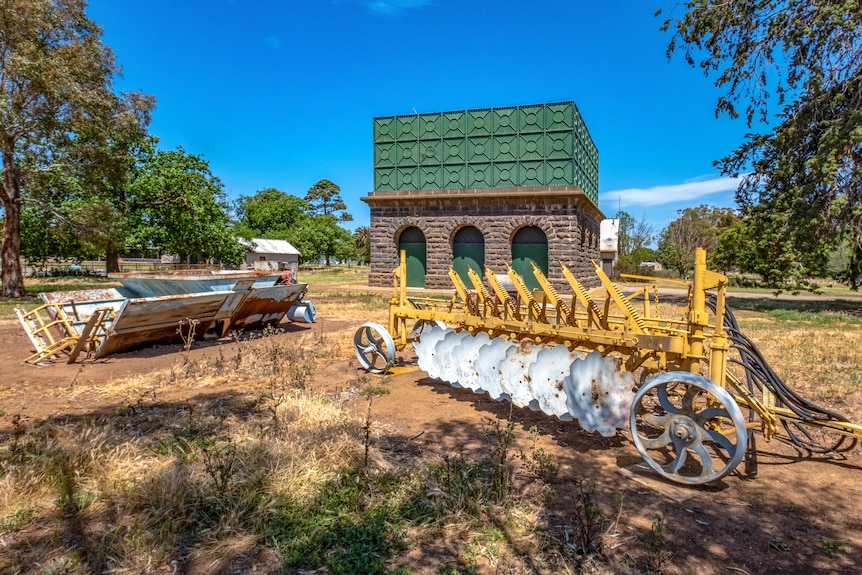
(12, 276)
(112, 261)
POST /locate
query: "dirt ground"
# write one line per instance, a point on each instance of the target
(800, 514)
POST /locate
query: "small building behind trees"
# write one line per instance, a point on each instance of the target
(495, 186)
(271, 255)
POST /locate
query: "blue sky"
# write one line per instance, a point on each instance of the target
(282, 93)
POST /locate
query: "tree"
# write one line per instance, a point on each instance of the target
(55, 81)
(345, 249)
(694, 227)
(83, 186)
(44, 236)
(324, 198)
(180, 207)
(632, 234)
(362, 241)
(803, 194)
(269, 213)
(318, 236)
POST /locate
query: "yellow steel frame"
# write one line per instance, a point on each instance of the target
(609, 324)
(52, 332)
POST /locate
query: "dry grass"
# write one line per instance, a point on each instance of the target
(231, 462)
(817, 352)
(817, 355)
(161, 480)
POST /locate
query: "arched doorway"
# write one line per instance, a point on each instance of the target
(412, 241)
(468, 249)
(530, 245)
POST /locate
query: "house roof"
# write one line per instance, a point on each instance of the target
(262, 246)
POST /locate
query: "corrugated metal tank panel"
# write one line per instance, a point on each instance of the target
(520, 146)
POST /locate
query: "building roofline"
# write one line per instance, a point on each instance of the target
(382, 197)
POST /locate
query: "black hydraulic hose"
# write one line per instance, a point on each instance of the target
(759, 373)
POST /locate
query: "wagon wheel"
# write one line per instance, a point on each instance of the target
(690, 431)
(374, 347)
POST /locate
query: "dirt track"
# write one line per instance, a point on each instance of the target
(778, 522)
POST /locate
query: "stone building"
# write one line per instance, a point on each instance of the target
(483, 187)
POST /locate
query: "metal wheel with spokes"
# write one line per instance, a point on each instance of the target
(688, 428)
(374, 347)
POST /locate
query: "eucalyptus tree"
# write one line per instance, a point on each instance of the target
(633, 235)
(797, 65)
(701, 226)
(55, 83)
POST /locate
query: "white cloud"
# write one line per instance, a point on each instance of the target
(659, 195)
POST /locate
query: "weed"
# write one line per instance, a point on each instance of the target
(537, 463)
(61, 566)
(72, 499)
(374, 391)
(182, 444)
(220, 460)
(456, 570)
(502, 436)
(831, 546)
(461, 485)
(17, 519)
(486, 542)
(658, 559)
(619, 499)
(186, 331)
(220, 361)
(343, 529)
(236, 338)
(366, 430)
(589, 520)
(23, 447)
(779, 544)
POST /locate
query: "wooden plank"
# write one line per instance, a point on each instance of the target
(84, 337)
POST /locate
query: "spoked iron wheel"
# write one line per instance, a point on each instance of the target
(687, 428)
(374, 347)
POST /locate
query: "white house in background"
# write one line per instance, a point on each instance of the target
(609, 231)
(271, 255)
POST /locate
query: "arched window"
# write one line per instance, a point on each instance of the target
(412, 241)
(530, 245)
(468, 249)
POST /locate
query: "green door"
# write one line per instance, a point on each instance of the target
(530, 245)
(412, 241)
(468, 249)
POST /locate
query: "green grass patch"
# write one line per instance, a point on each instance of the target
(360, 300)
(818, 318)
(354, 525)
(17, 519)
(334, 274)
(841, 308)
(7, 306)
(34, 286)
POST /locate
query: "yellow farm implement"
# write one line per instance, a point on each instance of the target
(610, 361)
(52, 331)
